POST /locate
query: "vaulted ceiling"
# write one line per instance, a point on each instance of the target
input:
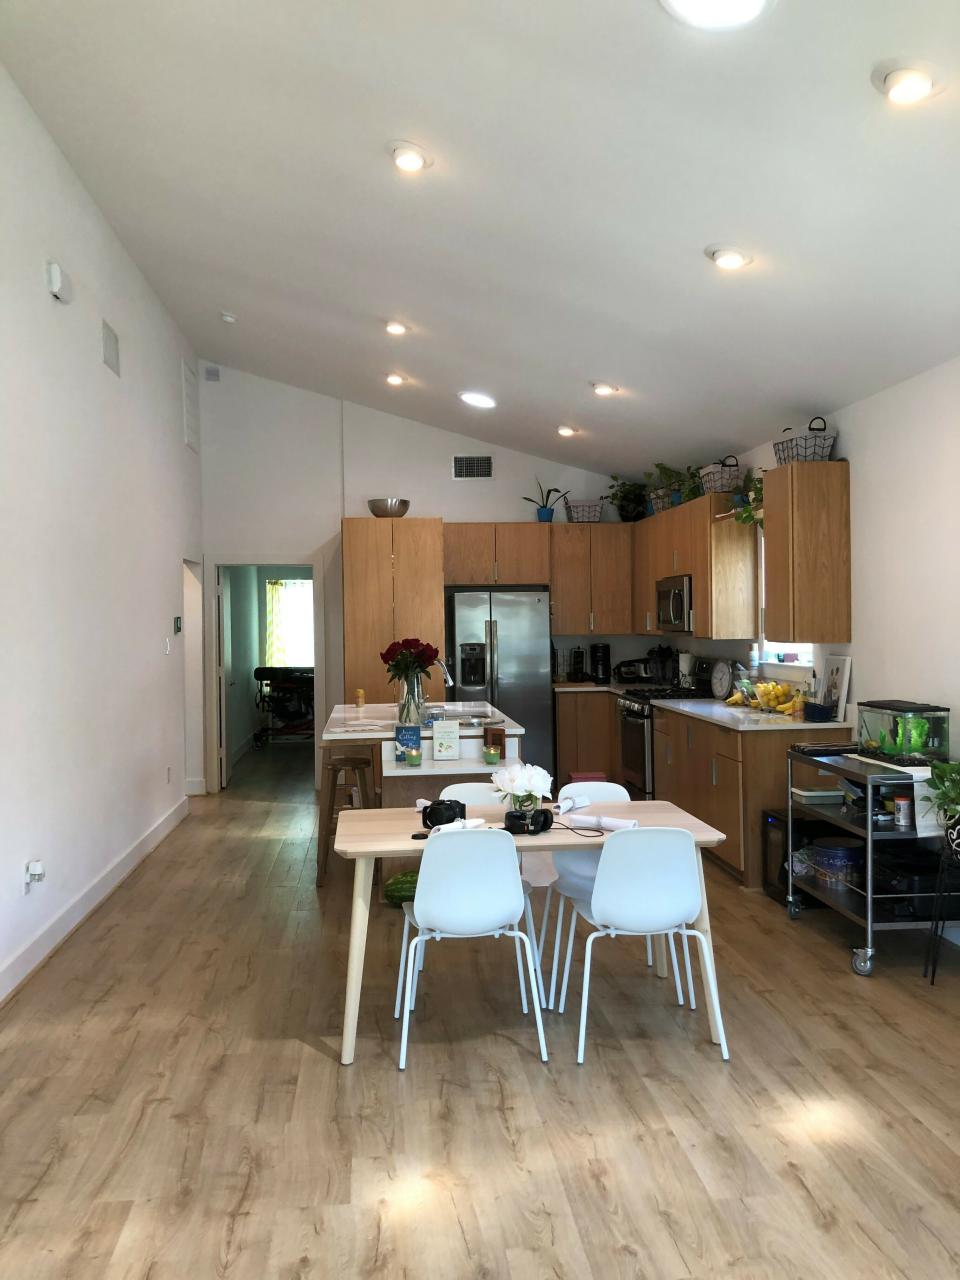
(583, 157)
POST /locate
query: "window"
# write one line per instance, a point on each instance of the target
(289, 622)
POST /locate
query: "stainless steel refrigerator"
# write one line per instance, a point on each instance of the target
(498, 651)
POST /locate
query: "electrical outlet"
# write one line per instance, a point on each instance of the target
(33, 873)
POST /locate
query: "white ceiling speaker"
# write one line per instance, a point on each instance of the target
(715, 15)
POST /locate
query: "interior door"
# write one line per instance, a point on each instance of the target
(224, 672)
(522, 688)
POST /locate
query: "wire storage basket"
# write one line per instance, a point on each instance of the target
(661, 499)
(816, 445)
(584, 510)
(723, 476)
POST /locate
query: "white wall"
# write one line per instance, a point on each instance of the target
(281, 465)
(99, 506)
(243, 719)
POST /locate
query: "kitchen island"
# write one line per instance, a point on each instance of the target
(373, 727)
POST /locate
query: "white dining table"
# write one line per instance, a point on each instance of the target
(363, 835)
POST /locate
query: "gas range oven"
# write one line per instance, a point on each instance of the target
(636, 733)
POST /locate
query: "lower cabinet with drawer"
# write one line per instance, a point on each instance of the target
(727, 778)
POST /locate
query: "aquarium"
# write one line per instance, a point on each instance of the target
(910, 733)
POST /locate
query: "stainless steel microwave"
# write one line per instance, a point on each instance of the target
(675, 604)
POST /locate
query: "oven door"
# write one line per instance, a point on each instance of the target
(636, 753)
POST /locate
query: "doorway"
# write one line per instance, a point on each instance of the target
(266, 653)
(192, 647)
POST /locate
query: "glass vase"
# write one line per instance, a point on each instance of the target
(411, 706)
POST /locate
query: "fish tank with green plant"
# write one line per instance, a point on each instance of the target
(905, 733)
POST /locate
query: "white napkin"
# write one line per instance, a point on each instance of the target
(422, 804)
(459, 824)
(570, 802)
(589, 823)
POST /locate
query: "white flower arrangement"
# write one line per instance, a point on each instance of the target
(524, 785)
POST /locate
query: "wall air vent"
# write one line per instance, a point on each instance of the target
(472, 466)
(211, 373)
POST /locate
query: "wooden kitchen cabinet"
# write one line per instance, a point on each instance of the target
(486, 554)
(727, 778)
(469, 552)
(611, 610)
(806, 539)
(591, 579)
(522, 554)
(392, 587)
(570, 579)
(701, 539)
(586, 727)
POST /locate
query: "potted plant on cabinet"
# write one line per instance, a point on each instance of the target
(629, 497)
(666, 486)
(748, 500)
(546, 502)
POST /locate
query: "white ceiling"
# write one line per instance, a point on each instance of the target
(585, 153)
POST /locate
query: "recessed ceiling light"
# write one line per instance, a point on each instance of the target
(727, 259)
(409, 158)
(715, 15)
(604, 389)
(396, 328)
(478, 400)
(908, 85)
(566, 431)
(228, 317)
(396, 379)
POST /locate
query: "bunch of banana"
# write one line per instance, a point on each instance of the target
(769, 695)
(737, 699)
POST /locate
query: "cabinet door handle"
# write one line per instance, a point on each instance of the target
(713, 770)
(676, 559)
(496, 571)
(669, 753)
(591, 619)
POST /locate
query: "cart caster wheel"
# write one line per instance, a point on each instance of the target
(793, 910)
(862, 963)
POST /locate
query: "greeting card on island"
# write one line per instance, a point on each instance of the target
(446, 740)
(407, 736)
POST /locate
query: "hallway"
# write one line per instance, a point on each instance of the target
(171, 1104)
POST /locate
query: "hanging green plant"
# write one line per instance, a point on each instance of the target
(629, 497)
(748, 500)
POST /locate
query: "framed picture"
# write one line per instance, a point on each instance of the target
(835, 682)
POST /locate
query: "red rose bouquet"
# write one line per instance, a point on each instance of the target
(405, 658)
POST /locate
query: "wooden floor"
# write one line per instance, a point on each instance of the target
(172, 1108)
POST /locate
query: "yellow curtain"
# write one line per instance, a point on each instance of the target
(276, 654)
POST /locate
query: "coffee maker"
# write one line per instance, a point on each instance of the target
(600, 663)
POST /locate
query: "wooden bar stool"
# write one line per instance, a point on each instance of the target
(362, 769)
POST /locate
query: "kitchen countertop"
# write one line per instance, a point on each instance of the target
(564, 686)
(743, 719)
(379, 720)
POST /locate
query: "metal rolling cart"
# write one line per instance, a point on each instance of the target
(864, 906)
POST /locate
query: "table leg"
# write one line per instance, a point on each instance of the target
(359, 915)
(702, 923)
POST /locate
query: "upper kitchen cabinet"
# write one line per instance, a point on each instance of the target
(806, 537)
(611, 595)
(700, 539)
(392, 587)
(590, 580)
(570, 579)
(507, 553)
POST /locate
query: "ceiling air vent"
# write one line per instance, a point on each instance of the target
(472, 466)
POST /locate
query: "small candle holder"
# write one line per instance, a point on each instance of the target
(413, 757)
(491, 755)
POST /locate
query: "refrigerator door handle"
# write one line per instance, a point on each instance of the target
(495, 668)
(488, 653)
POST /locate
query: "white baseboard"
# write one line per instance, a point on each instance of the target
(241, 749)
(195, 786)
(30, 957)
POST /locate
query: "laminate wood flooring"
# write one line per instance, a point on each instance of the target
(172, 1107)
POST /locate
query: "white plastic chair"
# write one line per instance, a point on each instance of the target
(484, 793)
(576, 869)
(647, 882)
(487, 795)
(469, 887)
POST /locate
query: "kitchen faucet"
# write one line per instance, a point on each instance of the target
(447, 677)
